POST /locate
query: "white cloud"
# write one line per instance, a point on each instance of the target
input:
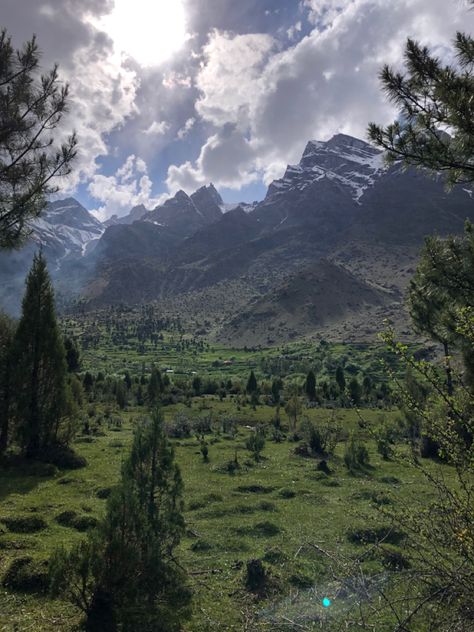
(293, 31)
(157, 129)
(187, 127)
(128, 187)
(265, 105)
(229, 79)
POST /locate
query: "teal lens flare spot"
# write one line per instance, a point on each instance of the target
(326, 602)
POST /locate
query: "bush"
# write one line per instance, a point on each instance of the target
(201, 546)
(356, 455)
(103, 493)
(72, 520)
(255, 576)
(385, 534)
(254, 489)
(255, 443)
(286, 493)
(25, 524)
(65, 458)
(180, 427)
(261, 529)
(66, 518)
(25, 574)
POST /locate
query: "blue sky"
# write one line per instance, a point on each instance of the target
(174, 94)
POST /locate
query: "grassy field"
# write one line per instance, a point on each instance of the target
(275, 510)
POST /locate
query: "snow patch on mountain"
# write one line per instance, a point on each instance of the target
(346, 161)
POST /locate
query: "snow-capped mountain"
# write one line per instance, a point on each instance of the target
(345, 161)
(66, 228)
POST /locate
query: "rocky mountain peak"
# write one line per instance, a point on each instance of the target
(348, 162)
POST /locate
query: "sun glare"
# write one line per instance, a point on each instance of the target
(150, 31)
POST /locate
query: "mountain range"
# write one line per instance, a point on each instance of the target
(328, 252)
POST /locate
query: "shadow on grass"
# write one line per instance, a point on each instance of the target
(18, 476)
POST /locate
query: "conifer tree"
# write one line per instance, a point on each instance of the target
(155, 387)
(432, 97)
(31, 107)
(125, 577)
(340, 379)
(252, 384)
(40, 367)
(7, 332)
(310, 386)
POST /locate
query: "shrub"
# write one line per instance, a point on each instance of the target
(25, 574)
(356, 455)
(25, 524)
(254, 489)
(286, 493)
(261, 529)
(201, 546)
(255, 576)
(65, 458)
(72, 520)
(103, 492)
(85, 523)
(66, 518)
(275, 556)
(385, 534)
(255, 443)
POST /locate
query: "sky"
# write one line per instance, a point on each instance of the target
(175, 94)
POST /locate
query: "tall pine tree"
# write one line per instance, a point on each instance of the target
(7, 332)
(40, 366)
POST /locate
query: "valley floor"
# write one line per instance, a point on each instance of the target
(280, 510)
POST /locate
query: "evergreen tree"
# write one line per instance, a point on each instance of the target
(30, 108)
(125, 577)
(432, 97)
(277, 386)
(310, 386)
(40, 366)
(355, 391)
(155, 387)
(7, 332)
(340, 379)
(73, 356)
(252, 385)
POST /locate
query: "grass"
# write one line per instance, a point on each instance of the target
(274, 510)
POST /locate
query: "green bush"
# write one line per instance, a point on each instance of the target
(25, 574)
(25, 524)
(356, 455)
(385, 534)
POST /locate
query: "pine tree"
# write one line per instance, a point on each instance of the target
(252, 385)
(340, 379)
(73, 355)
(7, 332)
(31, 107)
(310, 386)
(432, 97)
(125, 575)
(155, 387)
(40, 366)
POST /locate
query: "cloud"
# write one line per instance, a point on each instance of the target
(187, 127)
(128, 187)
(157, 129)
(264, 103)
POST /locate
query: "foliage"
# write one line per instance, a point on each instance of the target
(39, 377)
(7, 333)
(31, 108)
(356, 455)
(434, 129)
(125, 573)
(256, 442)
